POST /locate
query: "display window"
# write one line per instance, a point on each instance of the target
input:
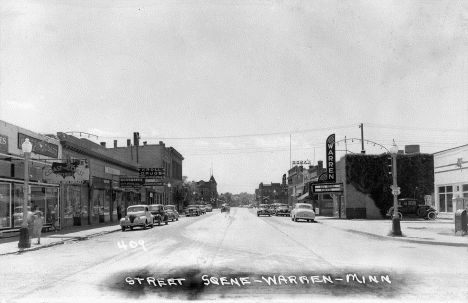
(5, 205)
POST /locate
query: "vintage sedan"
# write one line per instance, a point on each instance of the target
(137, 215)
(263, 210)
(303, 211)
(159, 214)
(209, 207)
(172, 213)
(282, 210)
(192, 210)
(201, 208)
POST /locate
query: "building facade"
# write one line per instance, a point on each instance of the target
(451, 179)
(158, 156)
(46, 197)
(99, 199)
(207, 192)
(271, 193)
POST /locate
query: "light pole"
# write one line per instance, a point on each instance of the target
(170, 193)
(396, 228)
(25, 240)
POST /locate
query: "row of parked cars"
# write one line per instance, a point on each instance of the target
(149, 215)
(301, 211)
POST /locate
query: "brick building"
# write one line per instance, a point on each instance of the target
(208, 191)
(158, 156)
(270, 193)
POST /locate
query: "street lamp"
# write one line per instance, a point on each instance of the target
(396, 228)
(25, 240)
(170, 192)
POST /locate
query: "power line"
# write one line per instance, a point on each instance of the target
(240, 136)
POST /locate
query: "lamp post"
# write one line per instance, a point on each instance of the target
(25, 240)
(170, 192)
(396, 228)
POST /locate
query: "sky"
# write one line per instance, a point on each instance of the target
(239, 88)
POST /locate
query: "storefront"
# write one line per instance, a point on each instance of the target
(450, 179)
(41, 196)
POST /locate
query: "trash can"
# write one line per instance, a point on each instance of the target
(461, 222)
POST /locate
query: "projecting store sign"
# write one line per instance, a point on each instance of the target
(68, 172)
(154, 172)
(131, 182)
(330, 188)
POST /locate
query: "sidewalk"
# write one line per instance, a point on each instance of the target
(438, 232)
(66, 236)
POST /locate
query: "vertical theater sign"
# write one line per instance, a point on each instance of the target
(326, 183)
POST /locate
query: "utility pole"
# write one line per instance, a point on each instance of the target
(136, 142)
(362, 138)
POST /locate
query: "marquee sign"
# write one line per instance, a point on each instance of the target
(326, 188)
(330, 174)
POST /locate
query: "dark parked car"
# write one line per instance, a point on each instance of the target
(159, 214)
(172, 213)
(225, 208)
(282, 210)
(263, 210)
(413, 208)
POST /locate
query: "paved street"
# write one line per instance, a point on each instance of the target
(301, 261)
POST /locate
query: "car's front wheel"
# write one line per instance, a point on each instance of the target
(295, 219)
(123, 228)
(431, 215)
(145, 226)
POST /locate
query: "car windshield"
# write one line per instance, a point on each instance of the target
(135, 209)
(191, 207)
(305, 206)
(170, 207)
(155, 208)
(283, 207)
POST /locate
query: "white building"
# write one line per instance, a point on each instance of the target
(451, 179)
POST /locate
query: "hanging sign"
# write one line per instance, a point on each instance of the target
(154, 172)
(68, 172)
(331, 158)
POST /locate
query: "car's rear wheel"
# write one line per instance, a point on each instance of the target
(123, 228)
(145, 226)
(431, 215)
(131, 227)
(177, 219)
(295, 219)
(159, 223)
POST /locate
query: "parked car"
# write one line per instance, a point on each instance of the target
(202, 209)
(303, 211)
(137, 215)
(282, 210)
(209, 207)
(272, 209)
(172, 213)
(413, 208)
(192, 210)
(225, 208)
(159, 214)
(250, 206)
(263, 210)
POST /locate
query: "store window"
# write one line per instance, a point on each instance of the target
(18, 205)
(445, 198)
(5, 205)
(51, 203)
(465, 190)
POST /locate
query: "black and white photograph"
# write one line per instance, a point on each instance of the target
(233, 151)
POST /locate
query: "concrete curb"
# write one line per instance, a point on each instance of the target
(72, 239)
(403, 239)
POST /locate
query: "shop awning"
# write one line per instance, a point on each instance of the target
(304, 196)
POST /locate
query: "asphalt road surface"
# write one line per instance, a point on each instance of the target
(236, 257)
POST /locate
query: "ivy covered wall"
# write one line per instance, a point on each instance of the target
(369, 174)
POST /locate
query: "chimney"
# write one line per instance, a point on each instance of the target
(115, 143)
(129, 142)
(144, 143)
(103, 144)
